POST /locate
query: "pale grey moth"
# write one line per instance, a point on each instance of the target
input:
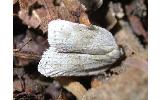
(77, 50)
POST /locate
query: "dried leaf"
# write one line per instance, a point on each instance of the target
(31, 21)
(25, 4)
(72, 85)
(28, 51)
(130, 42)
(129, 85)
(138, 27)
(91, 5)
(48, 11)
(116, 9)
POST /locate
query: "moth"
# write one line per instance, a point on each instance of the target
(77, 50)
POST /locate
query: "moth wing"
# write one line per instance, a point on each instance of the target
(70, 64)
